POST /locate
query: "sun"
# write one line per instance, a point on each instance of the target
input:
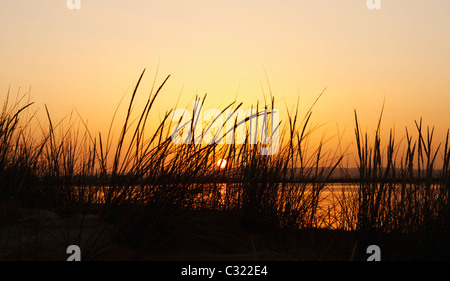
(222, 163)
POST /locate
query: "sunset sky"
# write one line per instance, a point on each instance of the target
(89, 58)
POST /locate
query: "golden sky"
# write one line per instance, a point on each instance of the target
(89, 58)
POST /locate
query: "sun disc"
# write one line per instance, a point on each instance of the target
(222, 163)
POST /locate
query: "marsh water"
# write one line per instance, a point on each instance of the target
(325, 203)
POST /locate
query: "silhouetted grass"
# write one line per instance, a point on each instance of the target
(151, 189)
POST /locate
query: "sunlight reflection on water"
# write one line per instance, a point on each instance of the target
(334, 204)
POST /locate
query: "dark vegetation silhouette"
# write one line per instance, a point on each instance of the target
(141, 196)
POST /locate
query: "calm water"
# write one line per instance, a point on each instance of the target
(335, 206)
(225, 196)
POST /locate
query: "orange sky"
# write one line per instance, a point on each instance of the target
(89, 58)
